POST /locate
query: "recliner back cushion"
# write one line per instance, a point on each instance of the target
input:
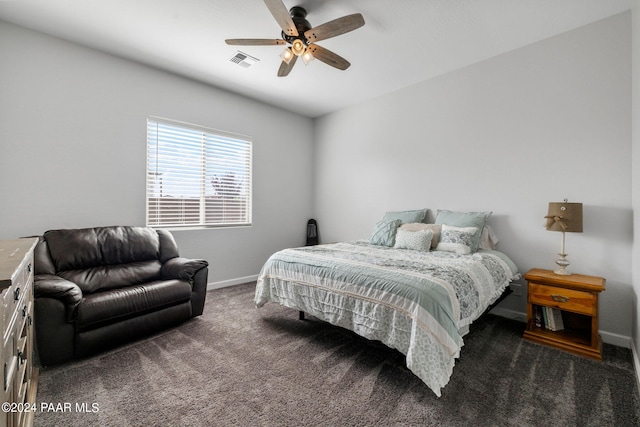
(122, 245)
(78, 249)
(73, 249)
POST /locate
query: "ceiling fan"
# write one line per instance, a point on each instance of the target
(300, 37)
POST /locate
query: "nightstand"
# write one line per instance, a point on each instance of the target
(576, 296)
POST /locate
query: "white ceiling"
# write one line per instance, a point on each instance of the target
(403, 42)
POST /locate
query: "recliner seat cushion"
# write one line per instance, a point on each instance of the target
(106, 277)
(111, 306)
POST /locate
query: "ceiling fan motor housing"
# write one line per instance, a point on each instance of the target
(298, 15)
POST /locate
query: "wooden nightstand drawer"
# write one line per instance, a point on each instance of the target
(565, 299)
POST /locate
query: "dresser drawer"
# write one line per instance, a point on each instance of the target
(9, 360)
(565, 299)
(9, 302)
(24, 279)
(15, 295)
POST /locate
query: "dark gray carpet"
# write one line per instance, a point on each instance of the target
(241, 366)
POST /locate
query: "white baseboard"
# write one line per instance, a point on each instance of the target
(231, 282)
(615, 339)
(608, 337)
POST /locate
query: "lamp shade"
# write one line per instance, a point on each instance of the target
(298, 47)
(564, 216)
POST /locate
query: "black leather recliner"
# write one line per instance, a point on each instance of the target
(96, 288)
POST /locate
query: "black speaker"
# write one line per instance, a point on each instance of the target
(312, 232)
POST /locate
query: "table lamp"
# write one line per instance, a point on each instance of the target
(564, 217)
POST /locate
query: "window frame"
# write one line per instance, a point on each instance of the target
(213, 149)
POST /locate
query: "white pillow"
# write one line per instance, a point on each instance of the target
(456, 239)
(415, 240)
(435, 228)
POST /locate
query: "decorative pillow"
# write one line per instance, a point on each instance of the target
(456, 239)
(465, 219)
(435, 229)
(415, 240)
(406, 216)
(488, 240)
(384, 233)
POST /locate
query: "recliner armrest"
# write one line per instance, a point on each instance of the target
(56, 287)
(182, 268)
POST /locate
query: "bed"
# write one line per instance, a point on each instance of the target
(416, 293)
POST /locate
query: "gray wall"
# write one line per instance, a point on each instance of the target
(73, 149)
(636, 183)
(508, 135)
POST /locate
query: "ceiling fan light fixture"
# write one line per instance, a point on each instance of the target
(286, 55)
(307, 57)
(298, 47)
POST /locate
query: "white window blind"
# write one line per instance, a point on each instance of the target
(197, 176)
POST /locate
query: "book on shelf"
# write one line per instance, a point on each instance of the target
(557, 319)
(549, 318)
(554, 316)
(537, 316)
(550, 324)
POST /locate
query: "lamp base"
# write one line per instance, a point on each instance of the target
(563, 263)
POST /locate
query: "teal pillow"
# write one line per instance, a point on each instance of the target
(384, 233)
(465, 219)
(407, 217)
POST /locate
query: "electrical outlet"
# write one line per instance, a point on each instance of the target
(516, 288)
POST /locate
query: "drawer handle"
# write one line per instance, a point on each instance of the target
(560, 298)
(16, 294)
(21, 357)
(24, 311)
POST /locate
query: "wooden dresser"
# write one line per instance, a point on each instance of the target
(20, 377)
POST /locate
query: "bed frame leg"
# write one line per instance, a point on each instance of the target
(301, 315)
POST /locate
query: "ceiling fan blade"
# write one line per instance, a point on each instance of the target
(335, 27)
(328, 57)
(285, 68)
(282, 16)
(255, 42)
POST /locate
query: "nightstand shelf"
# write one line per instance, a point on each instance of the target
(576, 296)
(576, 336)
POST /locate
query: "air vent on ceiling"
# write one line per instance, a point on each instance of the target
(244, 60)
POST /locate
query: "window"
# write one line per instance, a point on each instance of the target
(197, 176)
